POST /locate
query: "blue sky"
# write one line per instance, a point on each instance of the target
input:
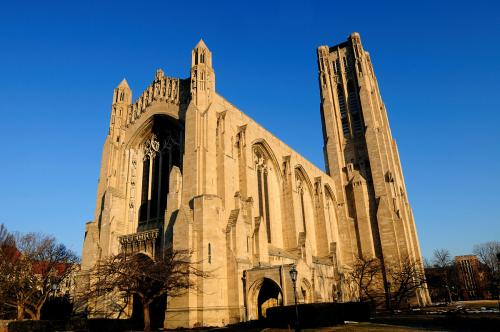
(437, 65)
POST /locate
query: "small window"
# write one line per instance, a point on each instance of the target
(209, 253)
(336, 67)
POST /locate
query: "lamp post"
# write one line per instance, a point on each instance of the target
(293, 275)
(244, 280)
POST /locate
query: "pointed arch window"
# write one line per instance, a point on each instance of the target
(300, 190)
(161, 152)
(354, 109)
(263, 189)
(343, 110)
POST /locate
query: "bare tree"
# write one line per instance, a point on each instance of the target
(487, 254)
(31, 270)
(170, 274)
(366, 274)
(443, 262)
(442, 258)
(427, 263)
(5, 236)
(7, 254)
(405, 280)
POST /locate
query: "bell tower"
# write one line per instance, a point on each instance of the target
(362, 157)
(202, 76)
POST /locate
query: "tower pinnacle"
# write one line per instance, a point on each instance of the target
(122, 94)
(202, 75)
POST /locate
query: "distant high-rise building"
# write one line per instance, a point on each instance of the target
(471, 278)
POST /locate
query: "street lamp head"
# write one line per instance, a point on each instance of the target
(293, 273)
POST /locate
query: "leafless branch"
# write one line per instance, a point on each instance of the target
(32, 267)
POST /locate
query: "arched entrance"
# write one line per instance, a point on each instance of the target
(269, 296)
(263, 294)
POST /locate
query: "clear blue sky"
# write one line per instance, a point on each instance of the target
(437, 63)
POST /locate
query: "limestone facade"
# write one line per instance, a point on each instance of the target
(183, 167)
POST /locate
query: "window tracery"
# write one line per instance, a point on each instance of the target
(262, 170)
(300, 191)
(161, 151)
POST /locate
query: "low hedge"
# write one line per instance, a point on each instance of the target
(77, 325)
(318, 314)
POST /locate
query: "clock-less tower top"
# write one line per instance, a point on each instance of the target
(362, 156)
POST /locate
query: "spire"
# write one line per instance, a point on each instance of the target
(202, 75)
(201, 44)
(356, 44)
(122, 94)
(123, 84)
(201, 55)
(122, 99)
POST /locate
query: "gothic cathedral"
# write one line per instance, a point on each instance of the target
(183, 168)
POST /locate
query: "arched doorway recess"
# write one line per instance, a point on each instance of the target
(269, 295)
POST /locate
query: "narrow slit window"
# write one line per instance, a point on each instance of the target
(209, 253)
(303, 210)
(266, 201)
(259, 188)
(341, 98)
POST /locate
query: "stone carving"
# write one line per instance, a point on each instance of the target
(259, 158)
(139, 237)
(389, 177)
(163, 88)
(141, 241)
(299, 183)
(133, 172)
